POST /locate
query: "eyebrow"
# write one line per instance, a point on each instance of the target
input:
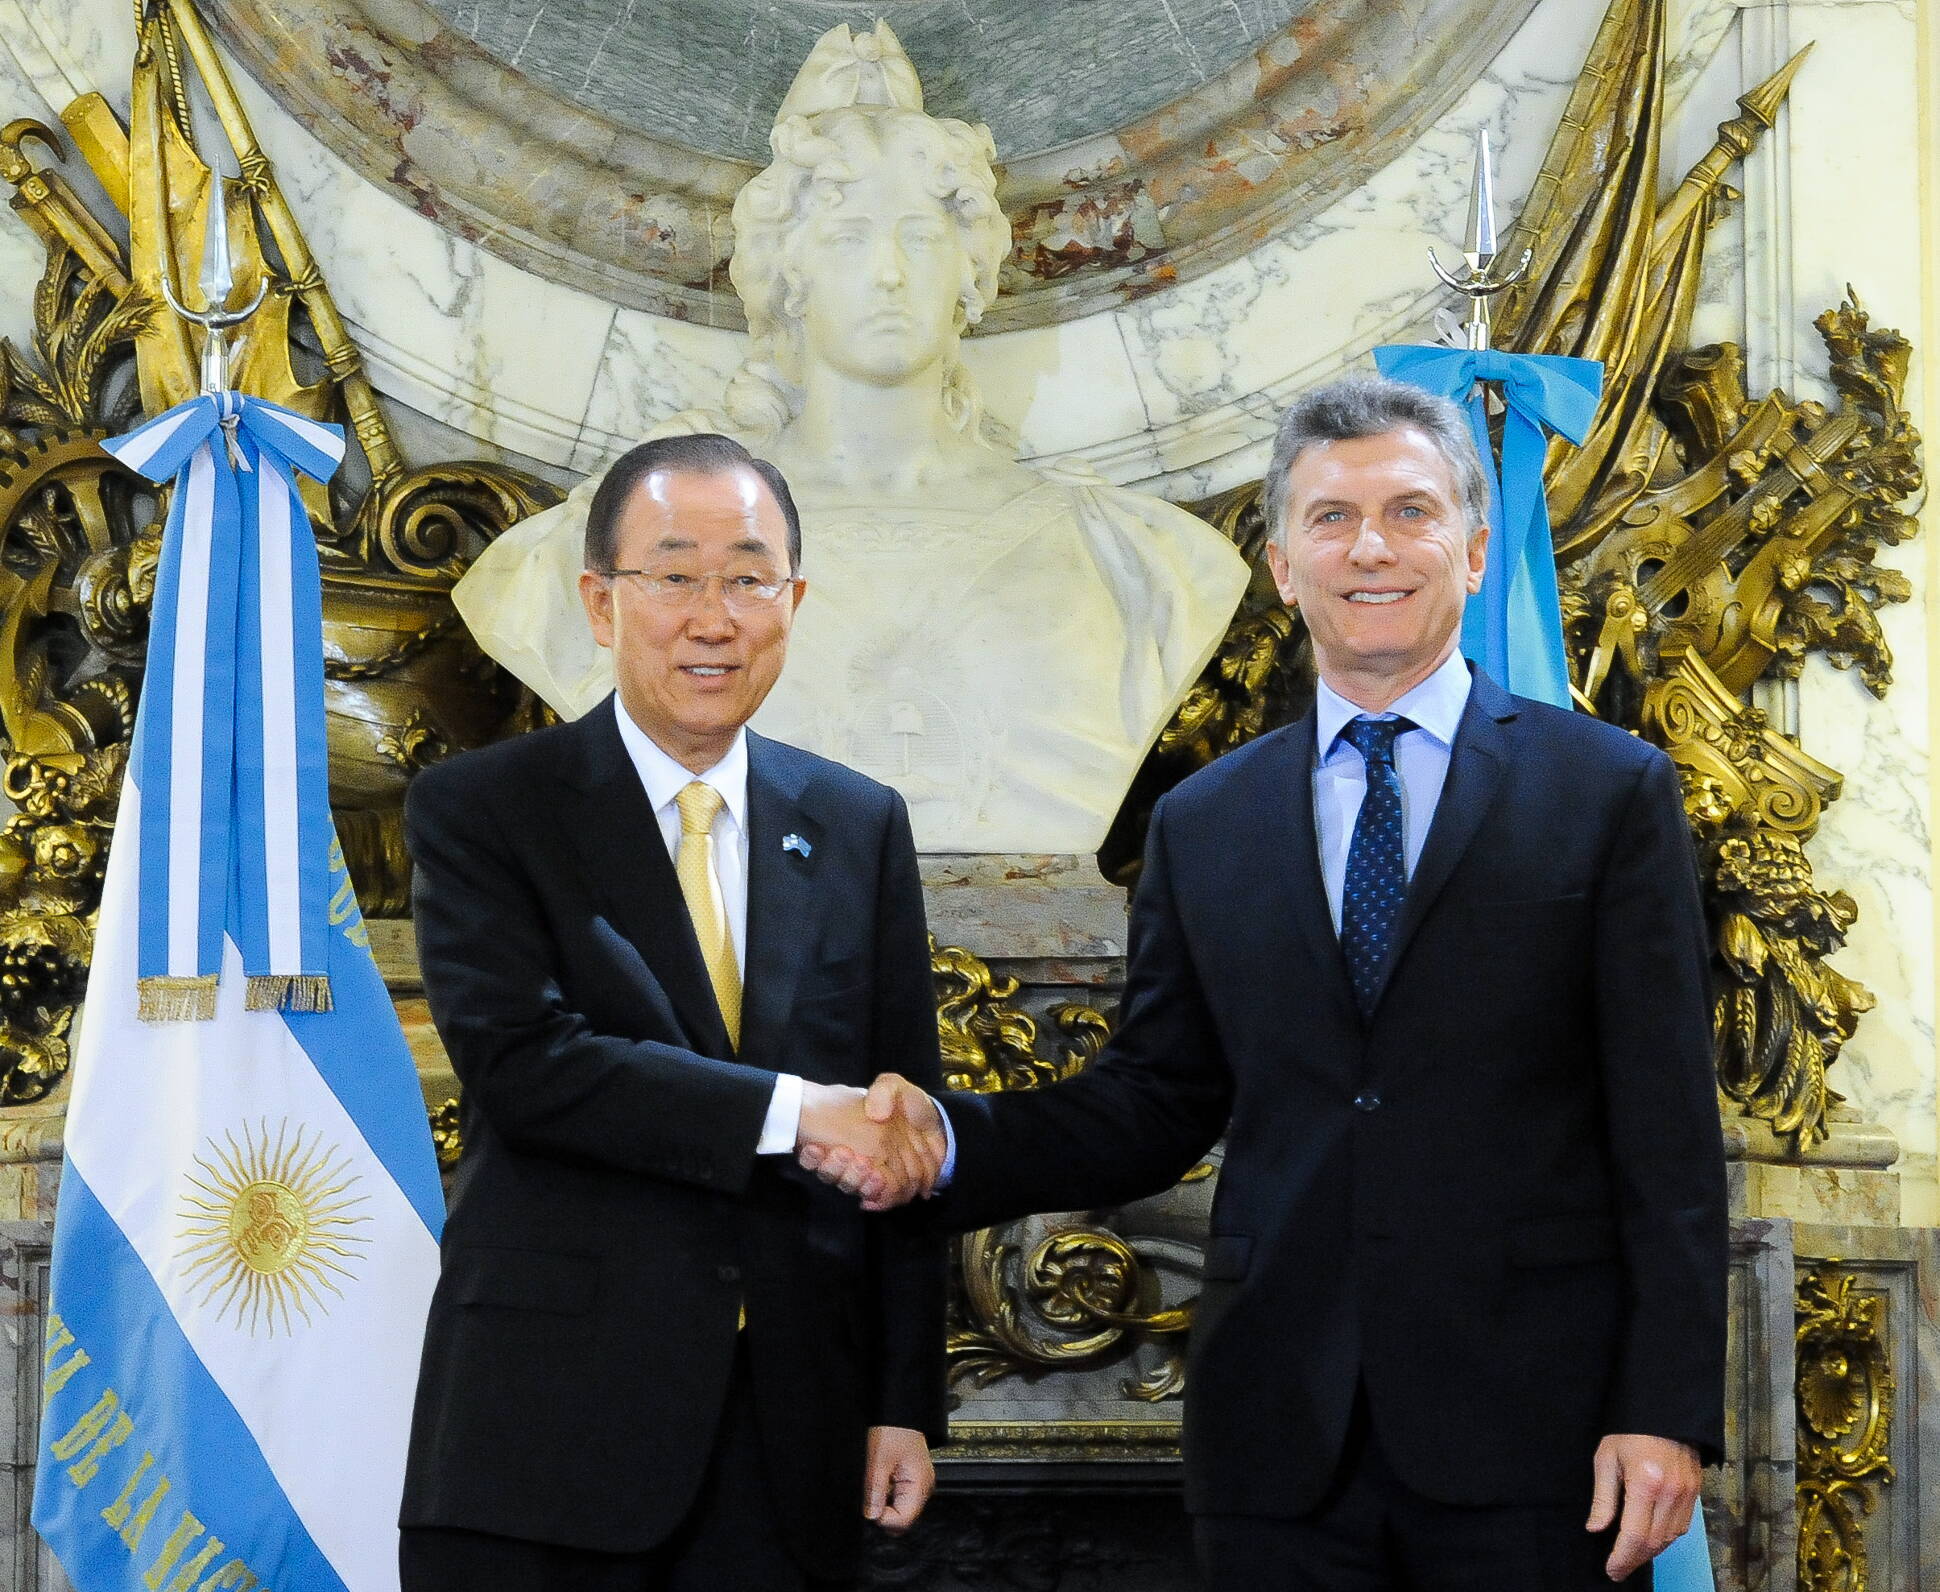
(685, 544)
(1414, 495)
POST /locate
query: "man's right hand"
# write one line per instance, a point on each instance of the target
(878, 1146)
(895, 1155)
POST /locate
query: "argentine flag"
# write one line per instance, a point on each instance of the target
(247, 1233)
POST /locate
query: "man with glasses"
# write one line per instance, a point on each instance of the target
(662, 951)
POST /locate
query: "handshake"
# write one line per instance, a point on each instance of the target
(884, 1145)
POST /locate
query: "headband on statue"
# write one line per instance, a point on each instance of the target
(848, 69)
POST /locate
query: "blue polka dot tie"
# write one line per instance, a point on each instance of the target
(1377, 871)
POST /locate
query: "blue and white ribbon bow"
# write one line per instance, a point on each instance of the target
(1514, 626)
(235, 816)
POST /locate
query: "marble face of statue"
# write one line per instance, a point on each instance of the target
(881, 265)
(1000, 642)
(862, 254)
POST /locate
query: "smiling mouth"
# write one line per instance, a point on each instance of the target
(1377, 596)
(706, 671)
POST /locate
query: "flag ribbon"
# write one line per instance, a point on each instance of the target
(229, 753)
(1514, 627)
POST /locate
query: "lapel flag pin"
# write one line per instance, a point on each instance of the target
(796, 844)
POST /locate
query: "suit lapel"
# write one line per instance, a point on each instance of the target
(785, 895)
(1292, 794)
(1475, 768)
(632, 877)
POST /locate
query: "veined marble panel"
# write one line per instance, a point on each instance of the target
(1852, 215)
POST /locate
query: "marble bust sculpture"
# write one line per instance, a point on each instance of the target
(1000, 642)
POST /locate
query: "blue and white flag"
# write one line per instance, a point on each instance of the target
(247, 1233)
(1514, 626)
(232, 757)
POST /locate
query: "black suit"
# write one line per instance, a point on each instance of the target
(1495, 1209)
(610, 1216)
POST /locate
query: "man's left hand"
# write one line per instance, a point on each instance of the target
(899, 1477)
(1658, 1480)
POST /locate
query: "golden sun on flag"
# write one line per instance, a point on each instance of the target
(271, 1226)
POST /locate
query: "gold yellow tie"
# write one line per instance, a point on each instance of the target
(694, 866)
(699, 806)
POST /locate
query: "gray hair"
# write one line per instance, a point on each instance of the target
(1367, 406)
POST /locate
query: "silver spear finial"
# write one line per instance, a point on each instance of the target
(1480, 244)
(218, 278)
(218, 281)
(1479, 281)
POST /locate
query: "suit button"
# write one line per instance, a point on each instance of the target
(728, 1273)
(1369, 1101)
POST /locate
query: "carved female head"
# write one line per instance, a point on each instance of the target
(873, 241)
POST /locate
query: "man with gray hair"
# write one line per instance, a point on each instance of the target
(1433, 961)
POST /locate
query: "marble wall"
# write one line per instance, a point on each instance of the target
(1177, 392)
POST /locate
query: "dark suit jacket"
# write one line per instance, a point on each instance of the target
(610, 1215)
(1499, 1204)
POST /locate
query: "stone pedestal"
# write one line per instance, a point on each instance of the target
(1848, 1178)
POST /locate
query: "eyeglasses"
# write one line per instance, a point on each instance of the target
(740, 594)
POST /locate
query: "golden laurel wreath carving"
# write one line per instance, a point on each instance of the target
(1845, 1424)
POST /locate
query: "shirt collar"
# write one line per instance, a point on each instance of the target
(665, 779)
(1434, 707)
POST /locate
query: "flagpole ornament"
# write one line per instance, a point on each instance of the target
(1479, 280)
(1512, 627)
(218, 281)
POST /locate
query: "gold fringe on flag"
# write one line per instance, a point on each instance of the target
(176, 1000)
(284, 992)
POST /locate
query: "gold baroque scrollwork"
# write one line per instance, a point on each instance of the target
(1732, 572)
(1845, 1423)
(446, 1137)
(988, 1045)
(1079, 1294)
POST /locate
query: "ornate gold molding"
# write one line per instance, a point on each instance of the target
(446, 1138)
(1845, 1416)
(1759, 554)
(1078, 1294)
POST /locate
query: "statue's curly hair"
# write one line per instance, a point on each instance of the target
(814, 157)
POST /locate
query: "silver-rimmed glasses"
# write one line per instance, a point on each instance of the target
(741, 594)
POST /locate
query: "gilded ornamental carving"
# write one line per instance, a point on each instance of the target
(1845, 1414)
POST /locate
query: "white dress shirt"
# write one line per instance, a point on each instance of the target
(664, 780)
(1420, 760)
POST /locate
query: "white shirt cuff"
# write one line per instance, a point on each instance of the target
(783, 1124)
(950, 1148)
